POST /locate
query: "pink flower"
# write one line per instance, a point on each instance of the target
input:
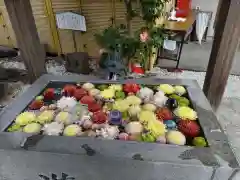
(144, 36)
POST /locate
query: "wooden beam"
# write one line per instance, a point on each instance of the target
(227, 32)
(23, 23)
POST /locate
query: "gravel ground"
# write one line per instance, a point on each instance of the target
(228, 113)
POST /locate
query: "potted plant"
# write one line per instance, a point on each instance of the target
(117, 49)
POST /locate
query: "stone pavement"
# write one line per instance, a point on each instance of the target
(229, 116)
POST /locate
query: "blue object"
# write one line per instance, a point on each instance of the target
(115, 117)
(170, 124)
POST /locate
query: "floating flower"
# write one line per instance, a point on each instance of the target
(160, 100)
(88, 100)
(133, 100)
(53, 129)
(119, 95)
(199, 142)
(36, 104)
(164, 114)
(109, 132)
(34, 128)
(94, 92)
(64, 117)
(146, 116)
(186, 113)
(131, 88)
(101, 87)
(148, 137)
(166, 88)
(45, 117)
(94, 107)
(145, 93)
(123, 136)
(189, 128)
(149, 107)
(87, 86)
(180, 90)
(49, 94)
(116, 87)
(176, 138)
(134, 110)
(79, 93)
(72, 130)
(156, 128)
(66, 103)
(99, 117)
(25, 118)
(107, 93)
(134, 128)
(69, 90)
(15, 128)
(121, 105)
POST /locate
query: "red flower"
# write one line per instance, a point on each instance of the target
(131, 88)
(189, 128)
(94, 107)
(36, 104)
(49, 94)
(99, 117)
(88, 100)
(79, 93)
(164, 114)
(69, 90)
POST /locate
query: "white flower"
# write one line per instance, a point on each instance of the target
(66, 103)
(160, 100)
(145, 93)
(53, 129)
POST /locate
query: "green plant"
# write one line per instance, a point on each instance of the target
(116, 39)
(151, 36)
(151, 10)
(118, 46)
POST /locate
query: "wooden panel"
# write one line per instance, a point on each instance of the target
(98, 16)
(42, 24)
(8, 30)
(137, 22)
(66, 36)
(5, 38)
(120, 12)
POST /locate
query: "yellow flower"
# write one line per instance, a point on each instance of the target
(180, 90)
(133, 100)
(150, 122)
(146, 116)
(185, 112)
(156, 127)
(166, 88)
(116, 87)
(25, 118)
(107, 93)
(45, 117)
(121, 105)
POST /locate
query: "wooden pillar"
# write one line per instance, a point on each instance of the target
(227, 32)
(23, 23)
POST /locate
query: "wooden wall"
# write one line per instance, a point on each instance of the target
(99, 15)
